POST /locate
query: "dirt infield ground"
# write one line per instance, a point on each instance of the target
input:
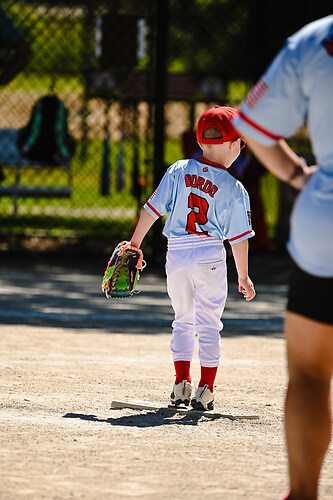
(61, 368)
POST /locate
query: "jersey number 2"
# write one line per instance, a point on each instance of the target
(199, 215)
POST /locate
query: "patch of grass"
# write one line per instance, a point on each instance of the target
(64, 226)
(88, 211)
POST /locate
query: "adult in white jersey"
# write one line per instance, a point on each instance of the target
(298, 86)
(206, 206)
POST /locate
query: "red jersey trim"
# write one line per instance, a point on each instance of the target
(258, 127)
(211, 163)
(240, 236)
(152, 209)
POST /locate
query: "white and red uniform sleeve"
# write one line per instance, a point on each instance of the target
(277, 93)
(237, 224)
(160, 201)
(296, 87)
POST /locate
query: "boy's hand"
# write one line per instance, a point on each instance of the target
(246, 287)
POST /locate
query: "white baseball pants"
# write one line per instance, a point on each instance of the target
(197, 286)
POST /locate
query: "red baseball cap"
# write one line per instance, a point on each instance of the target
(219, 117)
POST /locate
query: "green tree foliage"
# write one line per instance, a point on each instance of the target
(209, 36)
(58, 38)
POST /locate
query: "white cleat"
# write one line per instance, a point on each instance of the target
(203, 399)
(181, 393)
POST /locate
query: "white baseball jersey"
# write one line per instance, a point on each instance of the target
(298, 86)
(202, 198)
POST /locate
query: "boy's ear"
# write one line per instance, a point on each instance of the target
(200, 145)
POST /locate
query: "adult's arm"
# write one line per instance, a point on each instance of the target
(282, 161)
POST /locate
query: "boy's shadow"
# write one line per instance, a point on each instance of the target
(150, 419)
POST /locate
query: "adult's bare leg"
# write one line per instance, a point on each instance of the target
(308, 419)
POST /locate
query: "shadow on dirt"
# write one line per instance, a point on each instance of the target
(68, 295)
(149, 419)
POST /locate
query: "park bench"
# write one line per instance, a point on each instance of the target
(11, 157)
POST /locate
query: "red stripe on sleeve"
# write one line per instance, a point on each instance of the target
(240, 236)
(153, 209)
(258, 127)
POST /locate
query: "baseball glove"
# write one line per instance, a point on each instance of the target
(123, 271)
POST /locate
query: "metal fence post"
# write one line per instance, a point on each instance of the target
(159, 98)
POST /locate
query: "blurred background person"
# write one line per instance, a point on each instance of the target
(247, 169)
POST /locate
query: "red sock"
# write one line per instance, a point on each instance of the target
(182, 369)
(208, 374)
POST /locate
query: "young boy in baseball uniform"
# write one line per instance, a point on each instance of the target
(205, 206)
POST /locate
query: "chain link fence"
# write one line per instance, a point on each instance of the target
(133, 78)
